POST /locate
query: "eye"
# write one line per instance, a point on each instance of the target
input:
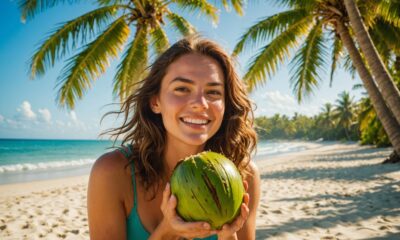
(215, 93)
(181, 89)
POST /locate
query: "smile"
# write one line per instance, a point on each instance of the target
(195, 121)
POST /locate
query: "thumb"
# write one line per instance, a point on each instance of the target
(172, 202)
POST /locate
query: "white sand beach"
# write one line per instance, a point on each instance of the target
(333, 191)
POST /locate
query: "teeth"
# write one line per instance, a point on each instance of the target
(195, 121)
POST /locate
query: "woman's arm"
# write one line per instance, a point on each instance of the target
(106, 214)
(248, 231)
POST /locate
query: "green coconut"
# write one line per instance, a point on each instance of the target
(209, 188)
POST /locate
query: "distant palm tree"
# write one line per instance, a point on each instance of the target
(310, 22)
(111, 25)
(327, 116)
(344, 112)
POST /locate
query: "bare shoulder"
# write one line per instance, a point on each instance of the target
(254, 173)
(105, 199)
(111, 161)
(109, 173)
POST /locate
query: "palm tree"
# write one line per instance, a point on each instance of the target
(371, 128)
(327, 116)
(389, 123)
(344, 112)
(111, 25)
(326, 121)
(390, 92)
(307, 20)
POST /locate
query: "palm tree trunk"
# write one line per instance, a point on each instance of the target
(391, 126)
(347, 134)
(386, 84)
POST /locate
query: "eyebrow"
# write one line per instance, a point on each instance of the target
(185, 80)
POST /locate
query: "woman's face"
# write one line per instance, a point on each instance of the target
(191, 100)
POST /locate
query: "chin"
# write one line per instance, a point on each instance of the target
(198, 141)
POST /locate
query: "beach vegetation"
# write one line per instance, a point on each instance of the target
(312, 32)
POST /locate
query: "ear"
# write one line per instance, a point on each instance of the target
(155, 104)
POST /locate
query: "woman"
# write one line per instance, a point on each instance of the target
(192, 100)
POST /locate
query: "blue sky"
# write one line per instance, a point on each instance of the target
(28, 108)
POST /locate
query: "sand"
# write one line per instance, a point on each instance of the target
(333, 191)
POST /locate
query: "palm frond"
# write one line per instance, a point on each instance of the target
(237, 5)
(87, 65)
(269, 28)
(109, 2)
(305, 4)
(336, 54)
(180, 24)
(366, 114)
(307, 62)
(57, 45)
(386, 33)
(385, 52)
(349, 66)
(133, 64)
(202, 6)
(270, 56)
(389, 10)
(358, 86)
(29, 8)
(159, 39)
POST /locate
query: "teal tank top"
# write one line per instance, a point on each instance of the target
(134, 227)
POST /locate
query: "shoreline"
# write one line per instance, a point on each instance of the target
(39, 171)
(335, 191)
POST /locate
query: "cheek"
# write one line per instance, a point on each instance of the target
(170, 102)
(219, 109)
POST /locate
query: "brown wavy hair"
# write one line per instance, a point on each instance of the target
(144, 129)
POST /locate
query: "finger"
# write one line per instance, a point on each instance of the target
(246, 198)
(166, 196)
(245, 185)
(203, 234)
(239, 221)
(172, 201)
(193, 227)
(244, 212)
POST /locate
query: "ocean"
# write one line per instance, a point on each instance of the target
(24, 160)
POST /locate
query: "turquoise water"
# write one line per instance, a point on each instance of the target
(24, 160)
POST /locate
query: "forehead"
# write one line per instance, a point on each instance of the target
(196, 67)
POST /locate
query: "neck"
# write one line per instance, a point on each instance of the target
(176, 151)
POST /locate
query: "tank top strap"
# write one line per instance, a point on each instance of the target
(127, 151)
(134, 186)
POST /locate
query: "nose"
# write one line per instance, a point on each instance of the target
(199, 102)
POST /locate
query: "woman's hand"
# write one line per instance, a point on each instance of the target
(172, 226)
(228, 231)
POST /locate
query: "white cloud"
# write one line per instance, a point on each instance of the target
(75, 122)
(1, 118)
(45, 115)
(274, 102)
(25, 111)
(73, 117)
(60, 123)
